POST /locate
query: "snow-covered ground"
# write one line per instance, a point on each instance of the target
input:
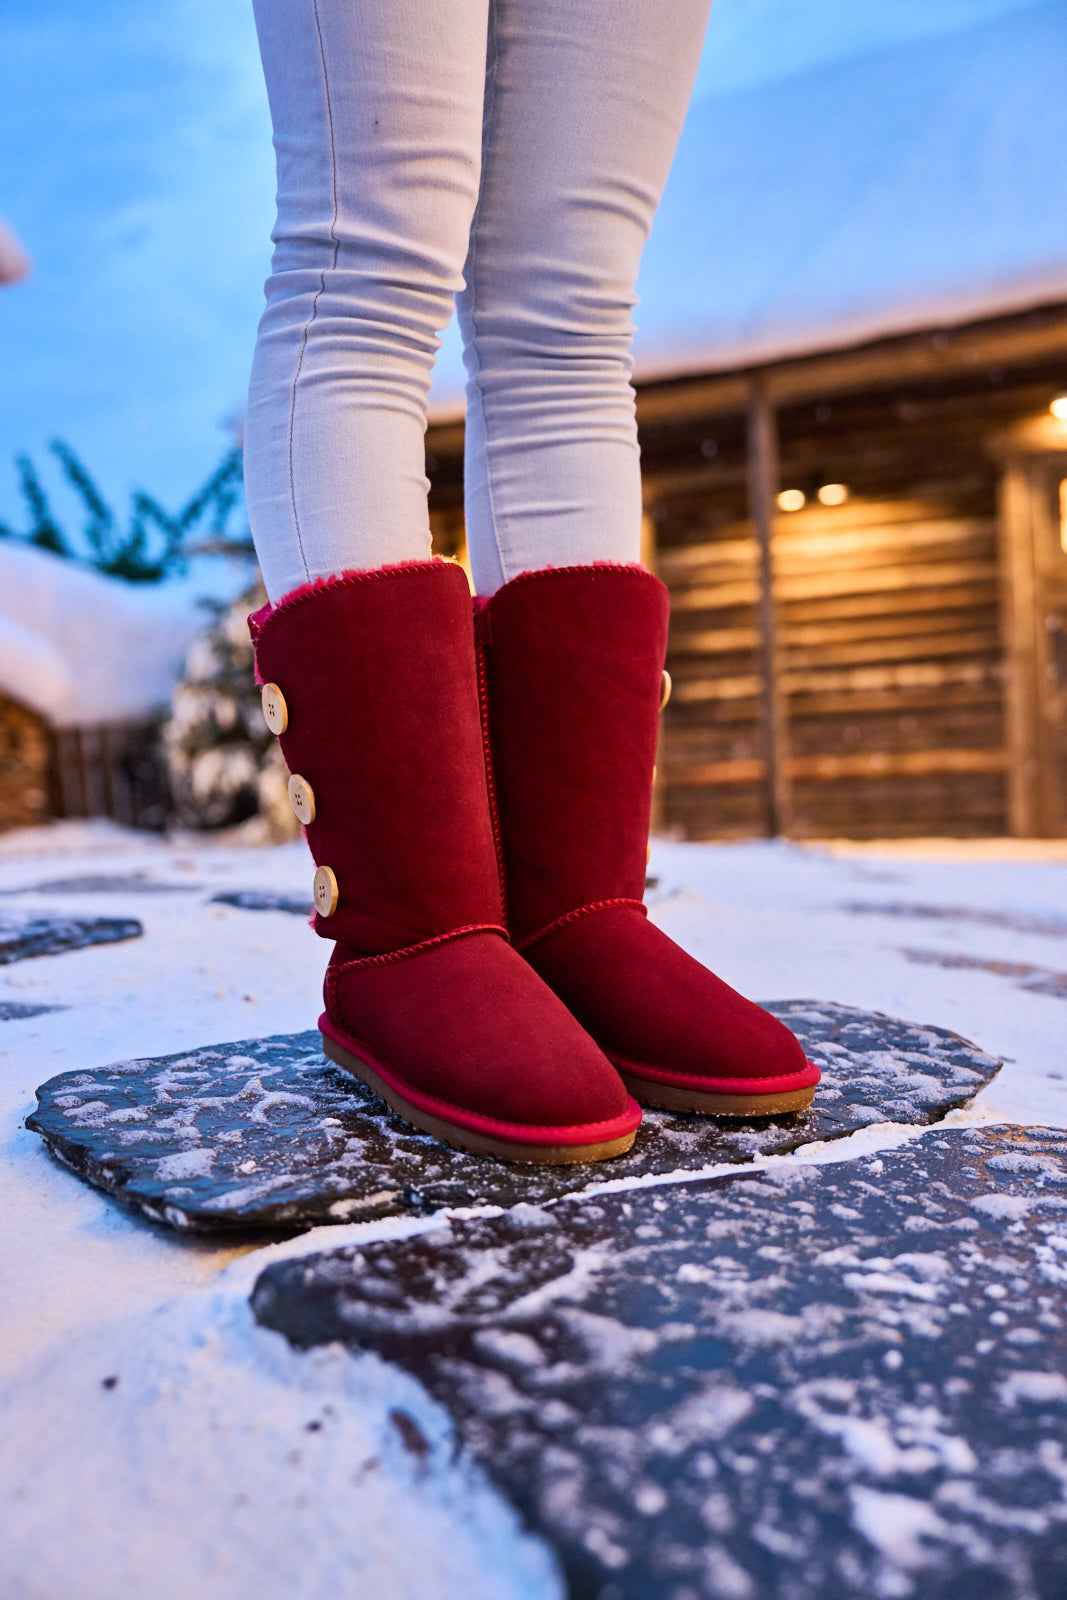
(157, 1442)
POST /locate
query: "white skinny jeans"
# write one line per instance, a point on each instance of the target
(508, 152)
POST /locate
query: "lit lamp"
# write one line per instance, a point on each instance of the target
(833, 494)
(1059, 408)
(792, 500)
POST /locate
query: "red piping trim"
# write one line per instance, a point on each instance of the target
(415, 949)
(519, 1132)
(482, 635)
(782, 1084)
(574, 916)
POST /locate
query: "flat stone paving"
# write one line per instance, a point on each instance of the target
(297, 905)
(267, 1134)
(810, 1383)
(103, 883)
(48, 934)
(18, 1010)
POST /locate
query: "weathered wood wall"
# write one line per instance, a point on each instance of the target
(890, 653)
(24, 766)
(116, 771)
(919, 657)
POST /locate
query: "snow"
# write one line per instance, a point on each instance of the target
(897, 1524)
(80, 648)
(201, 1469)
(919, 184)
(1039, 1388)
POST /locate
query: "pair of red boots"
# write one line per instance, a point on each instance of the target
(477, 801)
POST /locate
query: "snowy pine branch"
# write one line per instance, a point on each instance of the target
(155, 543)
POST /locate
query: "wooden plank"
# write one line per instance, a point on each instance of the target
(928, 675)
(882, 735)
(920, 545)
(919, 631)
(981, 593)
(840, 631)
(867, 545)
(715, 774)
(741, 687)
(863, 764)
(821, 585)
(954, 698)
(899, 576)
(981, 642)
(855, 516)
(897, 764)
(715, 641)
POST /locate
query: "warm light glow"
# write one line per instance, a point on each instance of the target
(833, 494)
(1063, 516)
(1059, 408)
(791, 500)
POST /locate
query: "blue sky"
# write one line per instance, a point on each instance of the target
(139, 175)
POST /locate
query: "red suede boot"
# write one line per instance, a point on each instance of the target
(369, 681)
(573, 659)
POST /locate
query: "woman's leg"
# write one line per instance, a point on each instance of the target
(377, 112)
(583, 107)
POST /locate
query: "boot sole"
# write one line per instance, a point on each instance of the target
(479, 1144)
(713, 1103)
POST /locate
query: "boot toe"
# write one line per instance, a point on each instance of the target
(666, 1021)
(467, 1031)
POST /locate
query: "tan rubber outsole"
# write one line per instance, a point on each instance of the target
(667, 1098)
(479, 1144)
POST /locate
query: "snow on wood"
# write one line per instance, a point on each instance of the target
(80, 648)
(920, 184)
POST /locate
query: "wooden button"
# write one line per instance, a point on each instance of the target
(665, 689)
(275, 710)
(325, 890)
(648, 852)
(302, 798)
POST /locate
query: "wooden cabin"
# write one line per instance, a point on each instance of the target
(852, 327)
(87, 664)
(866, 550)
(25, 766)
(112, 770)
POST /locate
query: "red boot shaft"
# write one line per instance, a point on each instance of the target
(573, 659)
(371, 686)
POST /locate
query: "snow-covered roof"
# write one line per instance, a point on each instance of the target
(81, 649)
(916, 185)
(920, 184)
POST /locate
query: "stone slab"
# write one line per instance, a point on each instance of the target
(260, 900)
(47, 935)
(104, 883)
(815, 1383)
(1013, 921)
(267, 1134)
(17, 1010)
(1035, 980)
